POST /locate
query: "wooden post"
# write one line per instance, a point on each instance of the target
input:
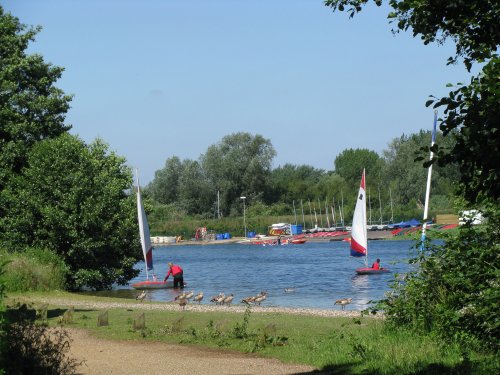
(139, 322)
(102, 319)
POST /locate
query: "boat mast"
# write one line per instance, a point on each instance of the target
(342, 210)
(428, 187)
(333, 213)
(370, 205)
(320, 216)
(326, 214)
(294, 212)
(310, 213)
(315, 217)
(380, 205)
(392, 211)
(303, 218)
(218, 204)
(341, 217)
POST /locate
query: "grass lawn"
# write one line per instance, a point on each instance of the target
(361, 345)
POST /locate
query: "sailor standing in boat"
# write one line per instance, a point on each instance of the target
(177, 273)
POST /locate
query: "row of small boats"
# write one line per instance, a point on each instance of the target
(274, 241)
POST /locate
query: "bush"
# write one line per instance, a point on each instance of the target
(34, 269)
(456, 289)
(37, 349)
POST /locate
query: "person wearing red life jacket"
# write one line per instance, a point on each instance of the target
(376, 265)
(177, 273)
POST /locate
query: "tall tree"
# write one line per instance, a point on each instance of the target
(294, 182)
(165, 186)
(72, 198)
(239, 164)
(350, 163)
(196, 195)
(31, 107)
(407, 178)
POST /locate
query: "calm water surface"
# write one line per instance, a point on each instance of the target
(319, 272)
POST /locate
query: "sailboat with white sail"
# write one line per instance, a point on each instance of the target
(147, 248)
(359, 232)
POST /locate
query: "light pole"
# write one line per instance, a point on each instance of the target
(244, 219)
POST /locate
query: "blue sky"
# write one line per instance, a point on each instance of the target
(164, 78)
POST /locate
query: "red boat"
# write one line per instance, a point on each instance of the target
(371, 271)
(148, 284)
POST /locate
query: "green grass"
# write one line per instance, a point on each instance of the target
(335, 345)
(33, 269)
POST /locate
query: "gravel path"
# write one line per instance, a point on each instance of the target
(140, 357)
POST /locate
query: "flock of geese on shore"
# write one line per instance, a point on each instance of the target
(222, 299)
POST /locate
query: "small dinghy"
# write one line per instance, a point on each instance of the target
(359, 233)
(147, 249)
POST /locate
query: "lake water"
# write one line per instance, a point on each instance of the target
(319, 272)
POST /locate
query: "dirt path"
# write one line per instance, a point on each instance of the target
(142, 357)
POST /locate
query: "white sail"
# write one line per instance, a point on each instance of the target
(359, 235)
(147, 248)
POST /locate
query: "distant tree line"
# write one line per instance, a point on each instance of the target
(240, 165)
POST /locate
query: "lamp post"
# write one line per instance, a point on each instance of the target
(244, 219)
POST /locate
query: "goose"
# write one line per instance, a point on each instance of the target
(190, 294)
(180, 296)
(342, 302)
(227, 300)
(248, 300)
(220, 299)
(182, 302)
(216, 298)
(260, 297)
(198, 297)
(141, 296)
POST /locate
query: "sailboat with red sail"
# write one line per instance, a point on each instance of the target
(359, 232)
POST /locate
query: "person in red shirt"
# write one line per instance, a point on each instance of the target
(376, 265)
(178, 274)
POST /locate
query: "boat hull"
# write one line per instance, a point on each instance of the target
(153, 285)
(371, 271)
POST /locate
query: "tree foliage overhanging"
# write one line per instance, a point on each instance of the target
(455, 290)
